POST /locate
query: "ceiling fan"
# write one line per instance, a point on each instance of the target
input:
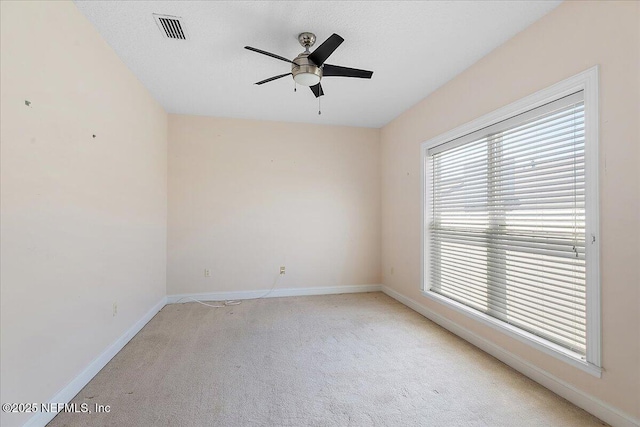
(308, 68)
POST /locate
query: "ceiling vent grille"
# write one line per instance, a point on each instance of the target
(171, 26)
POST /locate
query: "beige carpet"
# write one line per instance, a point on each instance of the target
(337, 360)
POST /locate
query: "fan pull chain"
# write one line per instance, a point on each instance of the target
(319, 112)
(295, 89)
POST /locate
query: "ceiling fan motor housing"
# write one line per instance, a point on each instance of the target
(304, 71)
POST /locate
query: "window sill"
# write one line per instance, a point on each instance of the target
(534, 341)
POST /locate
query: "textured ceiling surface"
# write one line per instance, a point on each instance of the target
(413, 48)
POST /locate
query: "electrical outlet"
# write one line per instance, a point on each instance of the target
(392, 271)
(281, 270)
(207, 272)
(115, 309)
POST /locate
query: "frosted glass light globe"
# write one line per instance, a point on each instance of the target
(307, 79)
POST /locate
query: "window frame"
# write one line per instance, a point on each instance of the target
(587, 81)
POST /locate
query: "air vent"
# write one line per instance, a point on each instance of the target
(171, 26)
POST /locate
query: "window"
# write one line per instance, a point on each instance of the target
(510, 231)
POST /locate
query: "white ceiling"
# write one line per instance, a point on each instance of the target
(412, 47)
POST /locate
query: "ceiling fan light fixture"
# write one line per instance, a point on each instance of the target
(307, 79)
(305, 72)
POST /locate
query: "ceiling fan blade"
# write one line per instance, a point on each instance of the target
(325, 49)
(273, 78)
(273, 55)
(317, 90)
(329, 70)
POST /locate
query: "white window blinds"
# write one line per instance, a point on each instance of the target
(506, 221)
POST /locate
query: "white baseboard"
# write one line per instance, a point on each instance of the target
(276, 293)
(70, 390)
(591, 404)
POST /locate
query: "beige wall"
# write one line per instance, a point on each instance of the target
(572, 38)
(246, 197)
(83, 219)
